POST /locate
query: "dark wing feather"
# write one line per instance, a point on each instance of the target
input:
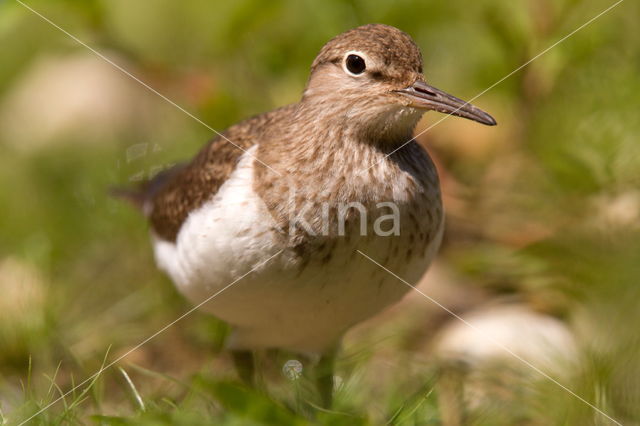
(169, 197)
(189, 188)
(141, 195)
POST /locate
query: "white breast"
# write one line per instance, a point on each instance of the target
(222, 240)
(281, 304)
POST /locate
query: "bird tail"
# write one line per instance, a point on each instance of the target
(141, 196)
(134, 196)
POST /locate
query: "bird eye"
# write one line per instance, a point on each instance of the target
(355, 64)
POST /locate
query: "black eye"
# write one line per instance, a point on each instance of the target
(355, 64)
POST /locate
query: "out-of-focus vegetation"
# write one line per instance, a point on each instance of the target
(543, 209)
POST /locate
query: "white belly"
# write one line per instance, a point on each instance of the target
(281, 303)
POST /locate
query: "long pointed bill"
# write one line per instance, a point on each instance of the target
(427, 97)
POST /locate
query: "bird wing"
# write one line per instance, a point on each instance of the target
(169, 197)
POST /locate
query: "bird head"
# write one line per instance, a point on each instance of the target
(373, 76)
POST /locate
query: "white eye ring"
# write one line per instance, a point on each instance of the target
(357, 68)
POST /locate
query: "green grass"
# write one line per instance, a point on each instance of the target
(544, 208)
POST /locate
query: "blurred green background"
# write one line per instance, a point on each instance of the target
(543, 211)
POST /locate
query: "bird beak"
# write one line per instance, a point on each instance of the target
(427, 97)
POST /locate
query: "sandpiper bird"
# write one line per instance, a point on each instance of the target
(292, 189)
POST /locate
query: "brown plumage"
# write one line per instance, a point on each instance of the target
(169, 197)
(283, 189)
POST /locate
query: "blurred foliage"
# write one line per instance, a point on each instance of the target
(545, 206)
